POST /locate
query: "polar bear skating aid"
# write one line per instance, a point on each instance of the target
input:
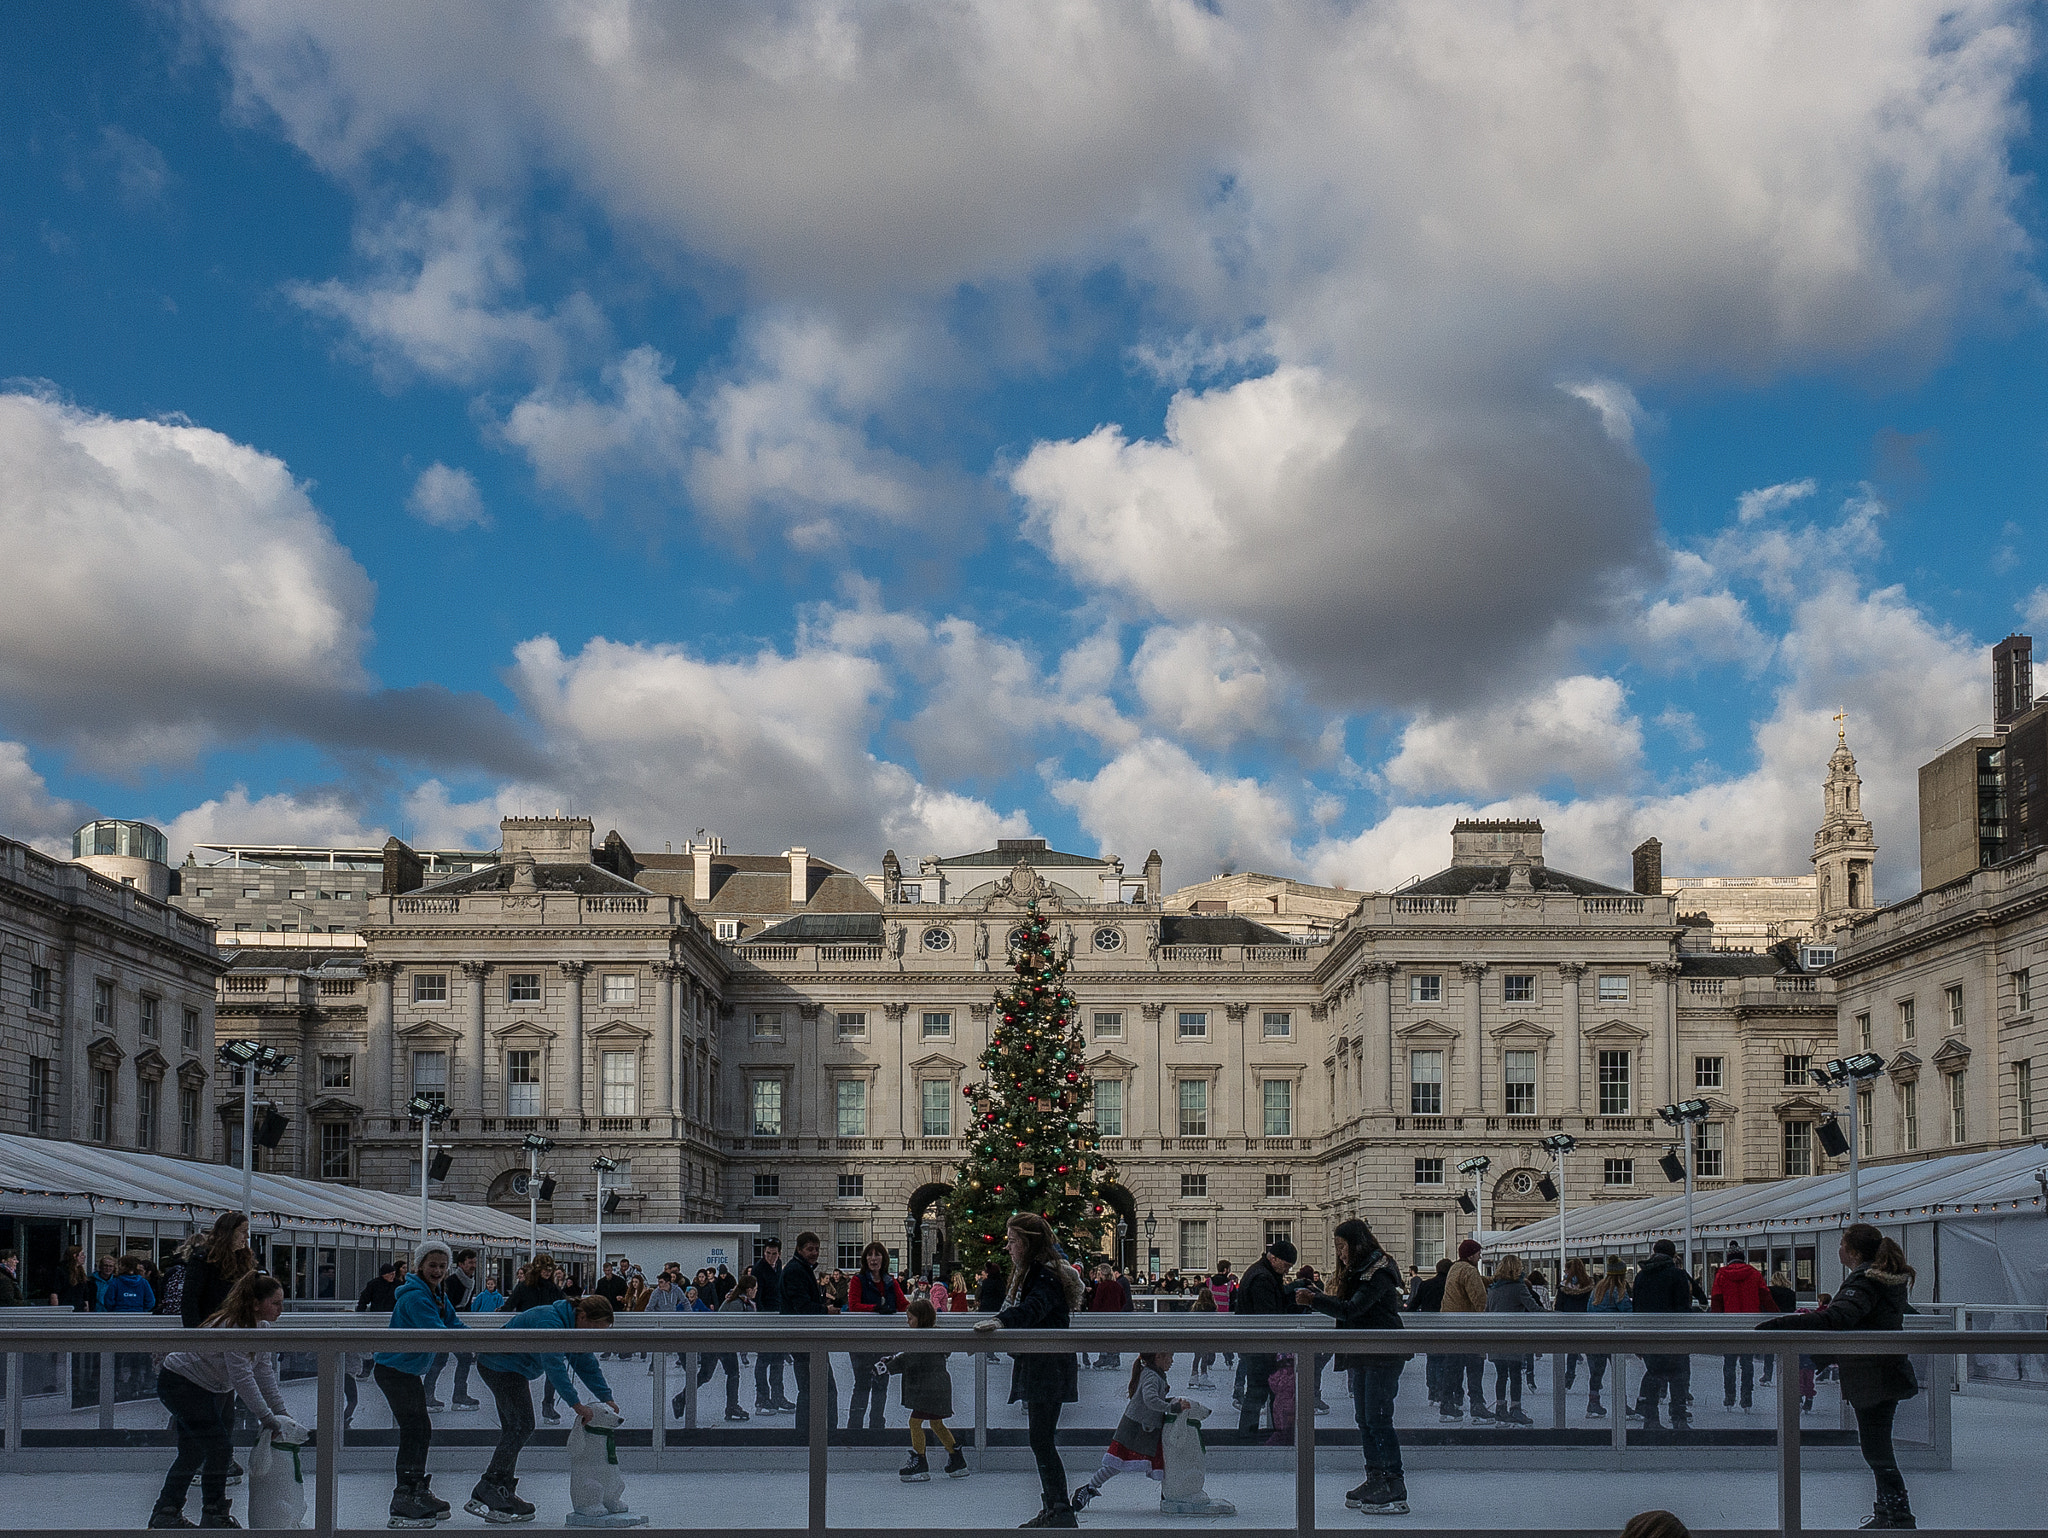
(597, 1486)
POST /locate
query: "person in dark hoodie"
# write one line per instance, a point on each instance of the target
(1662, 1287)
(769, 1398)
(211, 1273)
(801, 1294)
(1368, 1297)
(422, 1305)
(1873, 1296)
(1262, 1292)
(1427, 1297)
(1044, 1291)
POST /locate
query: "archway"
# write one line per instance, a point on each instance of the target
(1119, 1203)
(933, 1235)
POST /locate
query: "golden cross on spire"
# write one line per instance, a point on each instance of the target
(1841, 731)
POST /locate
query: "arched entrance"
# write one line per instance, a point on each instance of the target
(1119, 1203)
(933, 1237)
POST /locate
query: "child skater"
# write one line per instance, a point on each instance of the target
(1136, 1442)
(928, 1396)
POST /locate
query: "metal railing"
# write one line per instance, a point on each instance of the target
(29, 1335)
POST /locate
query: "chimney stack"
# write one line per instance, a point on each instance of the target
(2012, 679)
(1649, 858)
(701, 856)
(1152, 868)
(799, 876)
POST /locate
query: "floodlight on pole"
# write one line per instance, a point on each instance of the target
(1849, 1072)
(430, 1113)
(535, 1145)
(601, 1166)
(1683, 1115)
(1558, 1144)
(1476, 1167)
(250, 1059)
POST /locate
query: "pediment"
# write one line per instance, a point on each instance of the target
(429, 1030)
(1950, 1052)
(1795, 1106)
(1904, 1068)
(619, 1030)
(1107, 1059)
(1616, 1030)
(151, 1063)
(1426, 1030)
(105, 1052)
(333, 1105)
(524, 1030)
(192, 1073)
(937, 1062)
(1522, 1030)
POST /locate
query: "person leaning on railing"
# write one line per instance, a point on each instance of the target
(1368, 1297)
(1044, 1291)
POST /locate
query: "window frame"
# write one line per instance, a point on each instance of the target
(1796, 1144)
(1513, 1103)
(1622, 1068)
(1701, 1078)
(1277, 1025)
(188, 1122)
(850, 1025)
(1958, 1107)
(1108, 1025)
(851, 1188)
(849, 1094)
(1191, 1025)
(767, 1187)
(42, 990)
(624, 1091)
(935, 1093)
(1617, 1173)
(334, 1133)
(414, 1062)
(330, 1079)
(429, 988)
(619, 990)
(1192, 1245)
(767, 1025)
(102, 1002)
(1908, 1019)
(758, 1101)
(1953, 1011)
(149, 1016)
(523, 988)
(1710, 1150)
(1194, 1185)
(529, 1092)
(1909, 1116)
(1430, 1172)
(100, 1112)
(1425, 988)
(188, 1030)
(1427, 1239)
(1796, 1066)
(1116, 1086)
(1619, 993)
(1285, 1106)
(1518, 988)
(1279, 1186)
(1199, 1127)
(935, 1025)
(1421, 1090)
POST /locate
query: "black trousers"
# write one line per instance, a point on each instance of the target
(1042, 1416)
(204, 1448)
(869, 1395)
(1596, 1371)
(802, 1364)
(1463, 1374)
(515, 1421)
(1874, 1437)
(1507, 1379)
(1748, 1374)
(1660, 1373)
(710, 1362)
(1257, 1392)
(407, 1395)
(1372, 1393)
(768, 1378)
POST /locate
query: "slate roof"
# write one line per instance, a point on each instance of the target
(1730, 964)
(1463, 880)
(1004, 859)
(756, 884)
(282, 958)
(823, 928)
(1216, 929)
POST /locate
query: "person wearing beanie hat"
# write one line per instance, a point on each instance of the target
(1610, 1296)
(422, 1305)
(1662, 1287)
(1261, 1293)
(1368, 1297)
(1464, 1293)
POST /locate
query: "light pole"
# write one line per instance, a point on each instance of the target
(913, 1228)
(1476, 1167)
(1152, 1249)
(1123, 1230)
(1853, 1072)
(535, 1146)
(1684, 1116)
(430, 1113)
(602, 1165)
(250, 1058)
(1560, 1144)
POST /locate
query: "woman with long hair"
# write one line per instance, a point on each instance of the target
(1508, 1293)
(76, 1289)
(959, 1296)
(1042, 1295)
(213, 1271)
(872, 1291)
(1368, 1297)
(1872, 1297)
(1574, 1292)
(199, 1387)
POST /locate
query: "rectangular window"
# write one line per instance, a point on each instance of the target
(1427, 1229)
(102, 1105)
(1194, 1245)
(853, 1107)
(1614, 1096)
(726, 929)
(522, 988)
(767, 1185)
(1519, 1068)
(1279, 1231)
(1518, 988)
(1194, 1107)
(938, 1025)
(2023, 1076)
(1863, 1032)
(2022, 992)
(430, 1076)
(620, 1083)
(430, 987)
(103, 1003)
(39, 991)
(767, 1022)
(1952, 1004)
(1909, 1114)
(188, 1123)
(334, 1150)
(938, 1108)
(1280, 1185)
(1906, 1022)
(1709, 1145)
(296, 894)
(1279, 1022)
(1109, 1107)
(620, 988)
(1613, 988)
(188, 1033)
(1707, 1072)
(1866, 1128)
(852, 1186)
(1193, 1024)
(848, 1240)
(1426, 1083)
(1618, 1172)
(1796, 1064)
(852, 1024)
(910, 891)
(1426, 988)
(252, 891)
(1958, 1121)
(152, 1012)
(522, 1084)
(1429, 1172)
(1194, 1185)
(337, 1072)
(1798, 1148)
(40, 1087)
(767, 1098)
(1109, 1025)
(1277, 1101)
(147, 1094)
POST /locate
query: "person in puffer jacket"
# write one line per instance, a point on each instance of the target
(1508, 1293)
(422, 1304)
(1368, 1297)
(1044, 1291)
(1873, 1296)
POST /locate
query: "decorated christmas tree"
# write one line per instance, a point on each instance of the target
(1030, 1138)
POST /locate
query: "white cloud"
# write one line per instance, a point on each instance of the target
(1765, 500)
(1204, 683)
(447, 499)
(1580, 730)
(140, 170)
(1153, 794)
(1616, 404)
(1684, 728)
(1698, 630)
(577, 442)
(2034, 608)
(323, 816)
(27, 809)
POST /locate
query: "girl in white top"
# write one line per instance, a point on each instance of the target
(199, 1387)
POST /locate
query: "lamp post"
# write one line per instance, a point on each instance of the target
(913, 1228)
(250, 1058)
(1560, 1144)
(535, 1146)
(1851, 1071)
(431, 1113)
(603, 1166)
(1476, 1167)
(1151, 1249)
(1684, 1115)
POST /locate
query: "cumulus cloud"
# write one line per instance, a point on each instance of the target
(1765, 500)
(1580, 730)
(326, 815)
(2034, 608)
(1696, 630)
(447, 499)
(1154, 794)
(27, 809)
(1205, 684)
(579, 443)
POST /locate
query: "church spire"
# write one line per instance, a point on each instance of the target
(1845, 848)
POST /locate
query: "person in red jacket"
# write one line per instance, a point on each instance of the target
(871, 1291)
(1109, 1296)
(1739, 1288)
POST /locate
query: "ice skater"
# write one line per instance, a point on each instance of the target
(1139, 1439)
(928, 1396)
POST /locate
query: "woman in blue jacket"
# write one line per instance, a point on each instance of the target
(1609, 1296)
(507, 1373)
(421, 1305)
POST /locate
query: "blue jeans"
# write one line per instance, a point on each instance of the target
(1372, 1392)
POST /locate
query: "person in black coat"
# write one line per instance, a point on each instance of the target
(1368, 1297)
(1662, 1287)
(801, 1294)
(1263, 1291)
(1044, 1291)
(1427, 1297)
(211, 1273)
(769, 1398)
(989, 1290)
(537, 1285)
(1873, 1296)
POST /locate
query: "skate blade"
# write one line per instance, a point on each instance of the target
(604, 1519)
(413, 1522)
(1386, 1509)
(915, 1479)
(958, 1473)
(496, 1518)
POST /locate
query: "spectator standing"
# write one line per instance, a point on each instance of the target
(1739, 1288)
(993, 1284)
(10, 1280)
(803, 1295)
(1609, 1296)
(1574, 1291)
(77, 1288)
(1198, 1374)
(380, 1293)
(769, 1396)
(1464, 1293)
(1663, 1288)
(1508, 1293)
(1111, 1296)
(871, 1291)
(1369, 1298)
(1260, 1293)
(129, 1292)
(1427, 1297)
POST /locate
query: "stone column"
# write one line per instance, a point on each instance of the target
(572, 980)
(378, 1069)
(1574, 1034)
(1665, 997)
(473, 1038)
(665, 1038)
(1475, 1028)
(1379, 1036)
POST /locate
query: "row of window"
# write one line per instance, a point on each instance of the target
(1108, 1024)
(524, 988)
(618, 1080)
(100, 1089)
(1518, 1075)
(935, 1107)
(2020, 982)
(1515, 988)
(42, 997)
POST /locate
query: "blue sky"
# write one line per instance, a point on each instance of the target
(1264, 434)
